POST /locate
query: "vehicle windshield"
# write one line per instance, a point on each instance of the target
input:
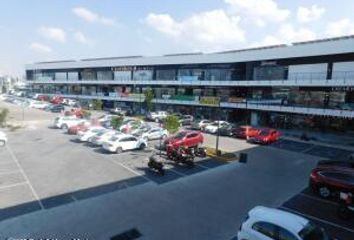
(264, 133)
(180, 135)
(312, 232)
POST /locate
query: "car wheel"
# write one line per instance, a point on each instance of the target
(64, 127)
(2, 143)
(119, 150)
(324, 192)
(142, 146)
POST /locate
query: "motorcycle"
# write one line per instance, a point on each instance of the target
(199, 152)
(180, 155)
(346, 208)
(156, 165)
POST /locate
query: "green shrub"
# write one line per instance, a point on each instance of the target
(3, 116)
(97, 104)
(172, 124)
(117, 121)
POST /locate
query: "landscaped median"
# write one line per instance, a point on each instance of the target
(222, 156)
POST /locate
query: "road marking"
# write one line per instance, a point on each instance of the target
(309, 149)
(6, 163)
(10, 172)
(73, 198)
(177, 172)
(202, 166)
(25, 176)
(13, 185)
(129, 169)
(318, 219)
(318, 199)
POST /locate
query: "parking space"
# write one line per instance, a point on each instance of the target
(321, 211)
(44, 168)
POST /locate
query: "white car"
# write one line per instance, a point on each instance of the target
(268, 223)
(38, 104)
(157, 116)
(105, 118)
(155, 133)
(103, 136)
(3, 139)
(213, 128)
(130, 126)
(66, 122)
(83, 136)
(118, 144)
(203, 123)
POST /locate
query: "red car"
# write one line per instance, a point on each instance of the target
(43, 98)
(327, 181)
(57, 100)
(265, 136)
(81, 127)
(185, 138)
(245, 132)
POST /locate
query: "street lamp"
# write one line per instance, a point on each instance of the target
(218, 131)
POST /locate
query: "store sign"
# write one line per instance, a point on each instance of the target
(211, 101)
(237, 99)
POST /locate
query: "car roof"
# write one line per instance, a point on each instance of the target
(280, 218)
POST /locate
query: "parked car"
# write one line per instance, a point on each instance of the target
(328, 181)
(227, 130)
(265, 136)
(41, 97)
(38, 104)
(245, 132)
(155, 133)
(118, 144)
(141, 130)
(104, 118)
(130, 126)
(200, 125)
(57, 100)
(118, 111)
(264, 223)
(92, 131)
(213, 128)
(82, 126)
(70, 102)
(55, 108)
(336, 163)
(156, 116)
(185, 138)
(67, 122)
(3, 139)
(103, 136)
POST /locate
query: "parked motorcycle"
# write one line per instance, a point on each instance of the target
(156, 165)
(346, 208)
(180, 155)
(199, 152)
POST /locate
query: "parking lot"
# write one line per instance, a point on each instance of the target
(47, 173)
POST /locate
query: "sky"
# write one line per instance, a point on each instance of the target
(39, 30)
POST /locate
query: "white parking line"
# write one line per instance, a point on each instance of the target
(13, 185)
(10, 172)
(318, 199)
(6, 163)
(202, 166)
(318, 219)
(129, 169)
(25, 176)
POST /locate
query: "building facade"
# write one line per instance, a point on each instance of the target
(303, 84)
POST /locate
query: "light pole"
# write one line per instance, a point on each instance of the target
(218, 131)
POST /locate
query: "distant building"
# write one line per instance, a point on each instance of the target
(304, 84)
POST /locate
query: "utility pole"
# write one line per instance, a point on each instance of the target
(218, 131)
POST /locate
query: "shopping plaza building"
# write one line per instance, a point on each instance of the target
(305, 83)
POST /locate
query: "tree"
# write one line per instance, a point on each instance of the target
(3, 116)
(172, 124)
(149, 96)
(117, 121)
(97, 104)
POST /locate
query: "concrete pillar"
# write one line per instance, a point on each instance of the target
(254, 119)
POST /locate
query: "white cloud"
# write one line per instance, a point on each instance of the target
(341, 27)
(285, 35)
(90, 16)
(40, 48)
(81, 38)
(259, 11)
(313, 13)
(210, 28)
(56, 34)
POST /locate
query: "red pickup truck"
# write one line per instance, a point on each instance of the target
(185, 138)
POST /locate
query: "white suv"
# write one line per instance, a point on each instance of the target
(84, 136)
(122, 143)
(264, 223)
(3, 139)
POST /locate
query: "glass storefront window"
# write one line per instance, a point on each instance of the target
(104, 75)
(190, 74)
(88, 75)
(218, 75)
(122, 75)
(73, 76)
(269, 73)
(143, 75)
(168, 74)
(60, 76)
